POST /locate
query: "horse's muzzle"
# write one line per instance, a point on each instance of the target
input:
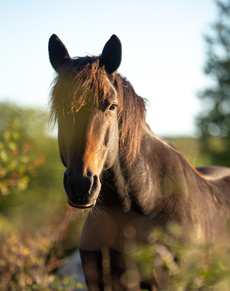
(81, 191)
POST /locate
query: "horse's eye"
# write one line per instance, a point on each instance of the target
(112, 107)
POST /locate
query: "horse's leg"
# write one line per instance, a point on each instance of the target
(92, 267)
(103, 269)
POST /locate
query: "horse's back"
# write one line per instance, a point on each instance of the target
(214, 172)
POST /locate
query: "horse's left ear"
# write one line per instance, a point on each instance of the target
(58, 53)
(111, 55)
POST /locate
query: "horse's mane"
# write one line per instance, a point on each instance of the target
(83, 80)
(131, 117)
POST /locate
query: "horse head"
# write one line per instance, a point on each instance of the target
(85, 103)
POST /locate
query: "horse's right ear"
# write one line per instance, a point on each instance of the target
(111, 55)
(58, 53)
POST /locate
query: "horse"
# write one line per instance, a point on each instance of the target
(130, 180)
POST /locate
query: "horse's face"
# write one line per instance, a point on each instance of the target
(88, 138)
(88, 143)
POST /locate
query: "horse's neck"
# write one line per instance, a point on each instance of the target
(159, 178)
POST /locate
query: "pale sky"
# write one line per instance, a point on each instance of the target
(162, 42)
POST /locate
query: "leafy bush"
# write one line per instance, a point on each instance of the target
(16, 164)
(171, 264)
(26, 263)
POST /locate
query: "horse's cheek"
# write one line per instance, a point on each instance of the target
(113, 148)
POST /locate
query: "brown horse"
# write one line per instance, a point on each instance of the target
(115, 165)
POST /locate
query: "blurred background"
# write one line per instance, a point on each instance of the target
(175, 53)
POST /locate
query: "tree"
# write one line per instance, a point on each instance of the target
(214, 124)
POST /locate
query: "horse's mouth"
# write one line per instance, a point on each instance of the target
(81, 206)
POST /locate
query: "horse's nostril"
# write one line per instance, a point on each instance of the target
(95, 182)
(89, 174)
(93, 179)
(81, 185)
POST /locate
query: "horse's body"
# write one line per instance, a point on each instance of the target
(130, 178)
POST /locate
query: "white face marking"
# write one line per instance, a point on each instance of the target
(112, 87)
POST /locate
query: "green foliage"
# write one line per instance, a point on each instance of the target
(25, 146)
(33, 122)
(172, 264)
(16, 164)
(191, 149)
(215, 120)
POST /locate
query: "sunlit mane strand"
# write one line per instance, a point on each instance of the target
(83, 80)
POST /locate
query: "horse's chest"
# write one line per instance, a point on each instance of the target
(113, 229)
